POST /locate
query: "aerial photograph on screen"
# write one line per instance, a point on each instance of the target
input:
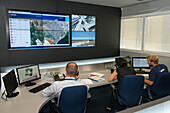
(49, 32)
(83, 30)
(31, 29)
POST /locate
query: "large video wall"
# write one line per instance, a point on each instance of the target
(89, 31)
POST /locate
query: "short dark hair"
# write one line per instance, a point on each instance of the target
(72, 69)
(120, 62)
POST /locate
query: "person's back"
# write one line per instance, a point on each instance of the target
(157, 69)
(59, 85)
(122, 72)
(155, 72)
(72, 79)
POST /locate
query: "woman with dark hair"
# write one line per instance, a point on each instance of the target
(119, 73)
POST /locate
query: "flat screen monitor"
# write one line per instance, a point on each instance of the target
(10, 83)
(83, 30)
(28, 74)
(139, 62)
(29, 29)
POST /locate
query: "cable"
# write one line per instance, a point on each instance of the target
(3, 95)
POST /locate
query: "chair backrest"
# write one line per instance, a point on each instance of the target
(73, 99)
(161, 86)
(131, 88)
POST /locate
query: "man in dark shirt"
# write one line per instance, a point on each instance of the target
(157, 69)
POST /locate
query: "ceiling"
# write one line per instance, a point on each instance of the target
(112, 3)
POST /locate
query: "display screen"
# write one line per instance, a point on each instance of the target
(28, 73)
(83, 31)
(34, 29)
(10, 82)
(139, 62)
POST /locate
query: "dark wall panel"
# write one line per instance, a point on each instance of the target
(107, 32)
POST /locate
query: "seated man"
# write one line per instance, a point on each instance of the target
(156, 70)
(72, 79)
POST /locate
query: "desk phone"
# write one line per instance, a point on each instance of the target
(58, 77)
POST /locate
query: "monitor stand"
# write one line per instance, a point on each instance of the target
(141, 71)
(29, 84)
(14, 94)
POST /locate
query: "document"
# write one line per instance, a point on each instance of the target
(97, 74)
(96, 79)
(87, 81)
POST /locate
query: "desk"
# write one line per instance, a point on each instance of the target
(27, 102)
(151, 107)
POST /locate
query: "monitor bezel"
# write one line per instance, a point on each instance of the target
(36, 47)
(5, 84)
(139, 66)
(21, 83)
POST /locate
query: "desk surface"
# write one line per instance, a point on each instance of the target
(27, 102)
(157, 106)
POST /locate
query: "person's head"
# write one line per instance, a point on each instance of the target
(120, 62)
(71, 69)
(152, 60)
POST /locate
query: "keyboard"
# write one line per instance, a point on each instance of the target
(39, 88)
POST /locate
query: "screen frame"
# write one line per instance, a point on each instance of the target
(19, 81)
(36, 47)
(139, 66)
(9, 93)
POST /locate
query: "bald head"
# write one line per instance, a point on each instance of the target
(72, 69)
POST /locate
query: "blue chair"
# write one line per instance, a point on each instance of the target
(130, 91)
(161, 86)
(73, 100)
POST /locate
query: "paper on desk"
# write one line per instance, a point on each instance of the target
(97, 74)
(87, 81)
(95, 78)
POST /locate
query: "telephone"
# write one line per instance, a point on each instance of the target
(77, 74)
(58, 76)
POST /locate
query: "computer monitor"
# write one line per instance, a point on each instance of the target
(28, 74)
(139, 62)
(10, 83)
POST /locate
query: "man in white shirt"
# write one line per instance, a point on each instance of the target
(72, 79)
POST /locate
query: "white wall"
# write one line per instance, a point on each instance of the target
(145, 8)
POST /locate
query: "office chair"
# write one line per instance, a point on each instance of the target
(161, 86)
(130, 91)
(73, 100)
